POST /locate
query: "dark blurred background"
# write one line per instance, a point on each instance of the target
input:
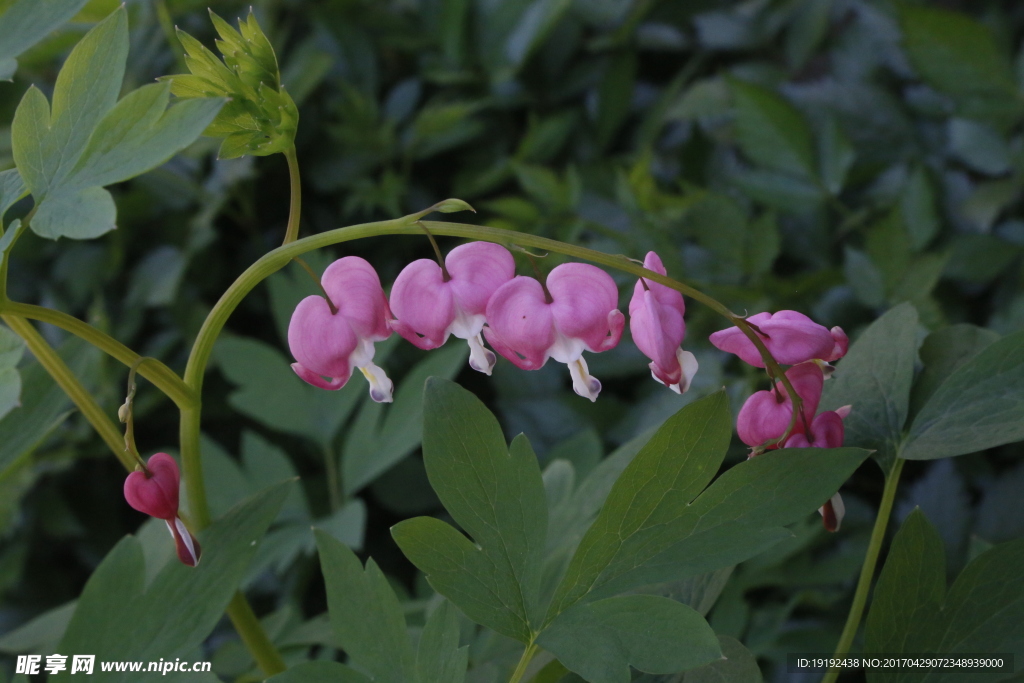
(831, 156)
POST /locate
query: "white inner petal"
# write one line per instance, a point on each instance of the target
(381, 387)
(481, 359)
(583, 383)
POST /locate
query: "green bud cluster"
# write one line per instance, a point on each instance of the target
(260, 117)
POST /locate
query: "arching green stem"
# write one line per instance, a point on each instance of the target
(162, 377)
(295, 208)
(67, 381)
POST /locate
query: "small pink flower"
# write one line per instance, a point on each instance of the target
(658, 329)
(826, 432)
(766, 414)
(527, 326)
(328, 344)
(154, 491)
(790, 337)
(428, 308)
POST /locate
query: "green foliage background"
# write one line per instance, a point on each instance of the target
(837, 157)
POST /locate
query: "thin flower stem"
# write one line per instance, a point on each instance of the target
(524, 662)
(867, 572)
(255, 638)
(162, 377)
(67, 381)
(295, 208)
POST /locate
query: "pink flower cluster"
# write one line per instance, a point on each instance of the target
(476, 295)
(793, 339)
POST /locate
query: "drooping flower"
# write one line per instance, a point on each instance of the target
(428, 307)
(528, 323)
(658, 329)
(766, 415)
(330, 344)
(154, 491)
(791, 337)
(826, 431)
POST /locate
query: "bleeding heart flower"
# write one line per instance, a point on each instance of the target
(766, 414)
(329, 344)
(430, 303)
(154, 491)
(826, 432)
(658, 329)
(790, 337)
(528, 323)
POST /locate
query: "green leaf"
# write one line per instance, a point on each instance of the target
(365, 614)
(11, 350)
(942, 352)
(383, 435)
(864, 277)
(44, 405)
(12, 188)
(835, 154)
(739, 665)
(320, 672)
(140, 133)
(25, 23)
(875, 377)
(959, 56)
(654, 527)
(78, 214)
(439, 658)
(980, 405)
(771, 132)
(600, 640)
(982, 613)
(917, 204)
(41, 634)
(118, 617)
(494, 493)
(268, 391)
(88, 139)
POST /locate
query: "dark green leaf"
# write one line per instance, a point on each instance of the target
(600, 640)
(268, 391)
(365, 615)
(11, 348)
(942, 352)
(439, 658)
(917, 205)
(12, 188)
(737, 666)
(497, 496)
(42, 634)
(980, 405)
(118, 617)
(320, 672)
(381, 435)
(835, 153)
(875, 378)
(960, 56)
(771, 132)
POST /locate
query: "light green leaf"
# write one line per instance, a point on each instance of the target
(979, 146)
(140, 133)
(864, 277)
(384, 434)
(600, 640)
(25, 23)
(942, 352)
(78, 214)
(268, 391)
(771, 132)
(875, 378)
(11, 349)
(365, 614)
(12, 188)
(439, 658)
(41, 634)
(119, 618)
(959, 56)
(497, 496)
(320, 672)
(980, 405)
